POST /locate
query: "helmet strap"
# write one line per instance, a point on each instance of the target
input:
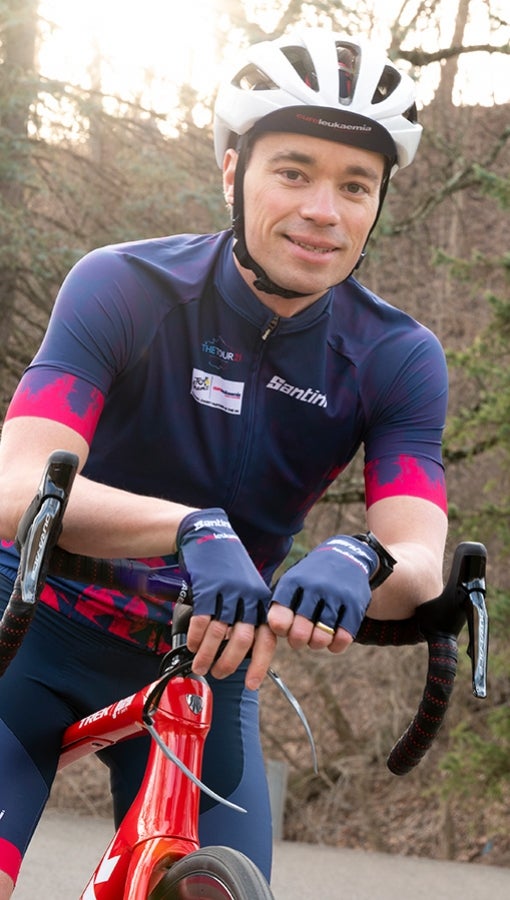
(262, 281)
(382, 194)
(361, 258)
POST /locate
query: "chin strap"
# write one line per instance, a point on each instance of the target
(360, 260)
(262, 281)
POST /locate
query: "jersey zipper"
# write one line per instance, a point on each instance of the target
(269, 330)
(270, 327)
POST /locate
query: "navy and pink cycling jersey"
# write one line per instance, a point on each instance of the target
(187, 387)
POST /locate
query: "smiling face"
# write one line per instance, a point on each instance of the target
(309, 205)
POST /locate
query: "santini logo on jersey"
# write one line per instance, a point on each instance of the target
(306, 395)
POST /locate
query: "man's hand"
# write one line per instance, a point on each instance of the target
(205, 636)
(322, 600)
(230, 598)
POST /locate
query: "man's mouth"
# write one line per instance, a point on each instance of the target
(312, 248)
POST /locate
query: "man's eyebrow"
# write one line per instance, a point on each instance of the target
(305, 159)
(292, 156)
(364, 172)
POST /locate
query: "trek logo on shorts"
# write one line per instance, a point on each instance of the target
(212, 390)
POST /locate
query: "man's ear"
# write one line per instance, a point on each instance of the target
(229, 169)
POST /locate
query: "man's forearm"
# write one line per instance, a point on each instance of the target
(105, 521)
(417, 577)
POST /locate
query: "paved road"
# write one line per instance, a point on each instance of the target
(66, 848)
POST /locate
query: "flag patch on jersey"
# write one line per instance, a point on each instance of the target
(212, 390)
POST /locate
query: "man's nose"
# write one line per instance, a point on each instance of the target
(322, 205)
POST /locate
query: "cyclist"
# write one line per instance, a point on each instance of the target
(213, 387)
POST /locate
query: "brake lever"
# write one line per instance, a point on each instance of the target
(41, 524)
(181, 616)
(463, 600)
(478, 630)
(296, 706)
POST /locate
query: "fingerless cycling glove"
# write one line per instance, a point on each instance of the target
(224, 581)
(331, 583)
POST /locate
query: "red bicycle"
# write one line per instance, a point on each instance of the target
(155, 853)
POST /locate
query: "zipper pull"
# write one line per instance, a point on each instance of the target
(270, 327)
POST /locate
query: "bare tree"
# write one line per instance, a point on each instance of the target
(18, 29)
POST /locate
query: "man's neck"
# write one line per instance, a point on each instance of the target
(281, 306)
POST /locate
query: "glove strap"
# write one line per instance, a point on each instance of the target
(386, 560)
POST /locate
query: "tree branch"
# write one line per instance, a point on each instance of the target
(460, 180)
(419, 57)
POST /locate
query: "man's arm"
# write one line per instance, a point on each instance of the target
(100, 520)
(108, 522)
(414, 531)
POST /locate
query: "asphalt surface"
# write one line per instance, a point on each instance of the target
(66, 848)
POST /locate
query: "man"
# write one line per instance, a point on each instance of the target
(213, 387)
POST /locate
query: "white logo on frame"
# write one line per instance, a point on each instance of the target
(212, 390)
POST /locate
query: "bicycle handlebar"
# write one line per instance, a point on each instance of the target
(38, 533)
(437, 622)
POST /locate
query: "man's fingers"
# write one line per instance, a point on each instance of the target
(204, 638)
(299, 631)
(280, 619)
(284, 623)
(196, 630)
(341, 641)
(240, 640)
(263, 651)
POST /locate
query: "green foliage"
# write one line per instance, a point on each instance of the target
(477, 763)
(494, 185)
(483, 421)
(479, 766)
(485, 363)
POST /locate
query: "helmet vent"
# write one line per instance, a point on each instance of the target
(302, 62)
(389, 81)
(251, 78)
(411, 114)
(348, 67)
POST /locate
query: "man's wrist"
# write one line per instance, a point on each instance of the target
(213, 519)
(386, 561)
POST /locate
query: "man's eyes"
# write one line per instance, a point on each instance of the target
(291, 174)
(354, 187)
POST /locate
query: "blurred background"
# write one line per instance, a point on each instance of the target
(105, 136)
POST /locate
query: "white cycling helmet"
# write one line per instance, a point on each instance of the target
(320, 83)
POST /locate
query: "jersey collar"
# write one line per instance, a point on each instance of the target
(238, 295)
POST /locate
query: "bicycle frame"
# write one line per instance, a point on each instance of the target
(162, 824)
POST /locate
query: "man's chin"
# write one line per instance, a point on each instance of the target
(302, 287)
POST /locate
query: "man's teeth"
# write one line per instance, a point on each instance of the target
(312, 247)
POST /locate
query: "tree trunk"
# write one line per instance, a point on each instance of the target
(18, 28)
(444, 94)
